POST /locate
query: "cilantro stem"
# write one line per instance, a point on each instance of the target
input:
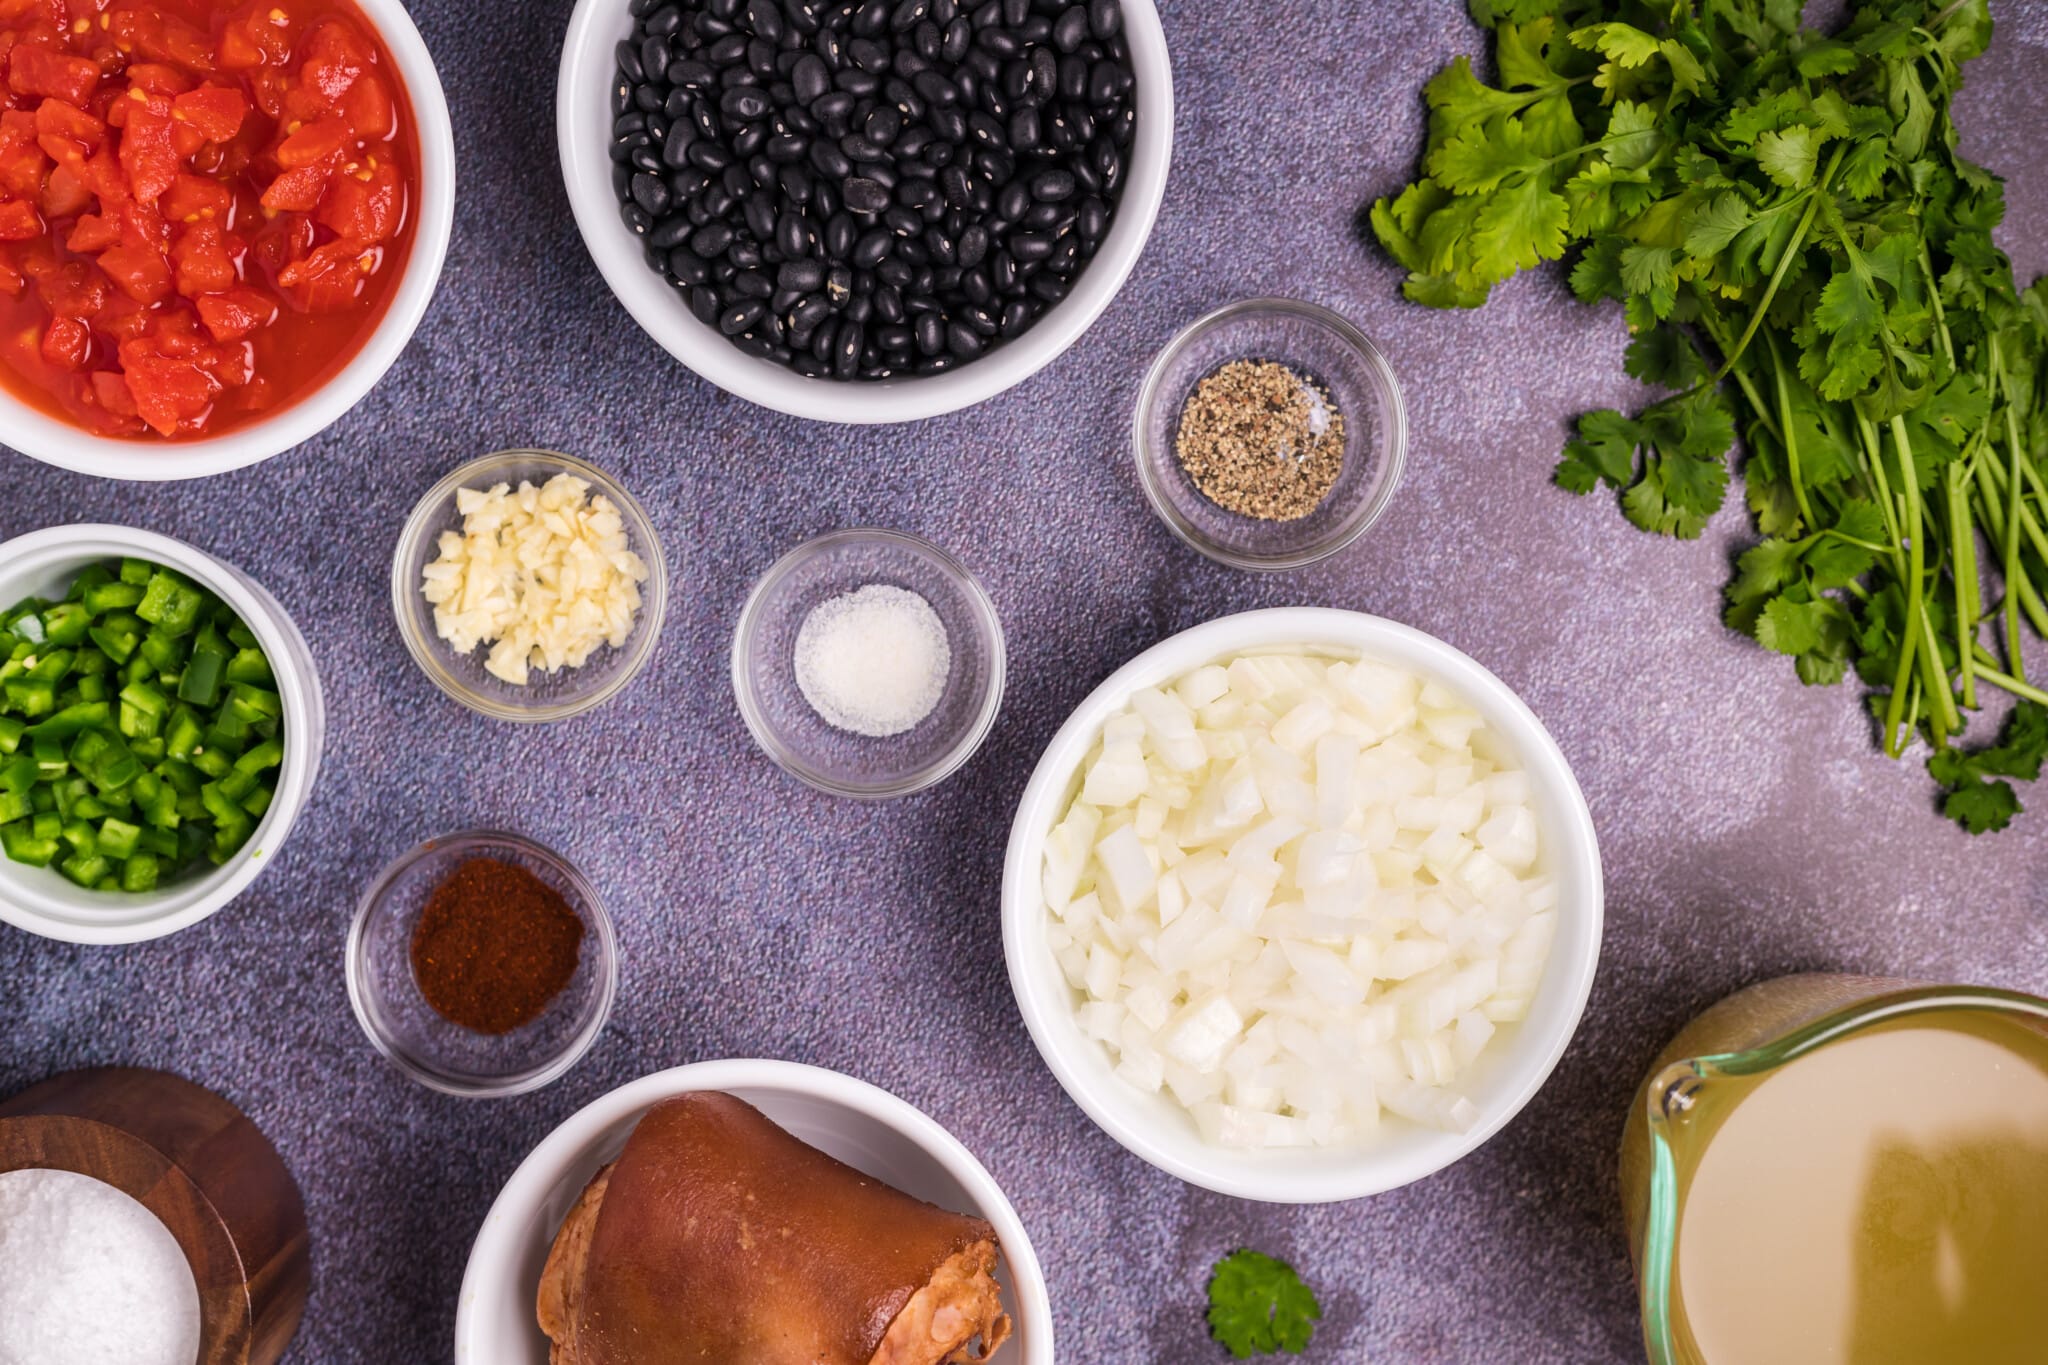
(1948, 345)
(1944, 719)
(1788, 437)
(1791, 250)
(2030, 602)
(2012, 535)
(2016, 686)
(1962, 543)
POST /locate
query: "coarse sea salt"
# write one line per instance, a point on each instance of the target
(88, 1276)
(873, 661)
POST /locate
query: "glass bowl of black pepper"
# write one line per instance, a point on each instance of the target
(1270, 434)
(482, 964)
(865, 210)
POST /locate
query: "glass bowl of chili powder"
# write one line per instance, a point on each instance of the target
(220, 222)
(482, 964)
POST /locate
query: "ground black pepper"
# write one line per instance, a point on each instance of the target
(494, 945)
(1261, 441)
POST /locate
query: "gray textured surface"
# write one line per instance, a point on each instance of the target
(1749, 829)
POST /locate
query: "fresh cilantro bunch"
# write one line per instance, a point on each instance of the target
(1802, 260)
(1259, 1306)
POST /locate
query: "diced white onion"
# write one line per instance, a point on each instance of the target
(1294, 892)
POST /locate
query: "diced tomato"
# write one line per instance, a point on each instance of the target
(214, 110)
(141, 292)
(283, 240)
(233, 315)
(255, 41)
(22, 161)
(169, 389)
(93, 232)
(330, 278)
(204, 259)
(335, 56)
(36, 70)
(297, 191)
(160, 37)
(192, 197)
(315, 142)
(61, 127)
(111, 389)
(76, 289)
(19, 221)
(158, 78)
(364, 206)
(141, 272)
(368, 108)
(64, 194)
(147, 154)
(65, 343)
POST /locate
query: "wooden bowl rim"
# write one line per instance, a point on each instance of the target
(226, 1311)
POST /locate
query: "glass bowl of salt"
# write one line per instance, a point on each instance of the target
(868, 663)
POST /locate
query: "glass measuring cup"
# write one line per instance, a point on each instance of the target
(1728, 1052)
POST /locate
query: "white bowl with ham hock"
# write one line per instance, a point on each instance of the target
(695, 1213)
(1302, 905)
(873, 212)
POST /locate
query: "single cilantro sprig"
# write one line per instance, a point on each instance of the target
(1804, 261)
(1259, 1306)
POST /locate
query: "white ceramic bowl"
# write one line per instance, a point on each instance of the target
(39, 899)
(1507, 1074)
(54, 441)
(583, 120)
(865, 1127)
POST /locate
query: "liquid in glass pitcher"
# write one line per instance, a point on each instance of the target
(1835, 1170)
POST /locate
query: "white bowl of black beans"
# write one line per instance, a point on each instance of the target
(865, 210)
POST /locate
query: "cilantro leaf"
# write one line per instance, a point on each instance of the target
(1664, 357)
(1478, 159)
(1632, 135)
(1259, 1306)
(1788, 155)
(1519, 226)
(1715, 226)
(1978, 799)
(1982, 807)
(1623, 44)
(1605, 451)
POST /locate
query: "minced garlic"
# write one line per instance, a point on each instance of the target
(543, 575)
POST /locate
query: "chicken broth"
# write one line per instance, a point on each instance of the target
(1878, 1201)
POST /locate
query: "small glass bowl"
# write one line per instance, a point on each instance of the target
(1327, 351)
(834, 760)
(547, 696)
(445, 1056)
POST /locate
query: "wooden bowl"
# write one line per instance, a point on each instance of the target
(200, 1165)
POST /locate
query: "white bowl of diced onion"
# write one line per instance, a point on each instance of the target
(1326, 920)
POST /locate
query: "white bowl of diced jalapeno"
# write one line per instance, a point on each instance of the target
(160, 727)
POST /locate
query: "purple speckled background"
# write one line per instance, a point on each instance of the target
(1749, 827)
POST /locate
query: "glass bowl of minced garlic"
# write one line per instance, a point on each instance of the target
(529, 585)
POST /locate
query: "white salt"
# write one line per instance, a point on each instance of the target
(88, 1276)
(873, 661)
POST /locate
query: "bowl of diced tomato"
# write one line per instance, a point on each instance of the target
(220, 222)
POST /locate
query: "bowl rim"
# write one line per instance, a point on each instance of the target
(747, 697)
(304, 723)
(1393, 467)
(1112, 1108)
(657, 308)
(544, 1167)
(519, 1083)
(427, 653)
(54, 441)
